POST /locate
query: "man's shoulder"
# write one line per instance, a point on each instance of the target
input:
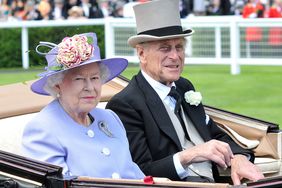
(130, 91)
(183, 82)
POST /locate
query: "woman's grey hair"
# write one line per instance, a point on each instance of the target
(105, 72)
(56, 79)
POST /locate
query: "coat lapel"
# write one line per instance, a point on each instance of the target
(196, 114)
(157, 109)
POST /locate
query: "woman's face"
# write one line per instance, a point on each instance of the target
(80, 90)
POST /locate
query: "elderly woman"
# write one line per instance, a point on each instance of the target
(70, 131)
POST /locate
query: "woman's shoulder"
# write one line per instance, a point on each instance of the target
(46, 116)
(101, 112)
(106, 115)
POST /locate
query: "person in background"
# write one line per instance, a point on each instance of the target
(31, 12)
(98, 13)
(105, 8)
(275, 33)
(169, 133)
(44, 7)
(253, 9)
(275, 10)
(117, 11)
(71, 131)
(219, 8)
(57, 12)
(91, 9)
(75, 13)
(185, 8)
(68, 5)
(237, 7)
(17, 9)
(5, 10)
(199, 7)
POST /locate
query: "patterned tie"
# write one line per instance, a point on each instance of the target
(173, 93)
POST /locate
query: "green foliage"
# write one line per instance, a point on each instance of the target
(10, 46)
(11, 55)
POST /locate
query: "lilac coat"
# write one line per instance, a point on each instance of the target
(54, 137)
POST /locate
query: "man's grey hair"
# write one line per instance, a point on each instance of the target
(56, 79)
(146, 44)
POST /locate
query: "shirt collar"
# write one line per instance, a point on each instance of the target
(161, 89)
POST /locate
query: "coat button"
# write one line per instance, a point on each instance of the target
(106, 151)
(90, 133)
(115, 175)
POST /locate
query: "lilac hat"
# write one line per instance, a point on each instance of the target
(73, 52)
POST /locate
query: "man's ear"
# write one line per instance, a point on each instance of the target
(140, 52)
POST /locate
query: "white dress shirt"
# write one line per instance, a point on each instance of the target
(163, 91)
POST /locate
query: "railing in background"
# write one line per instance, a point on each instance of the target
(217, 40)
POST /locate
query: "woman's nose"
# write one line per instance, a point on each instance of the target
(89, 85)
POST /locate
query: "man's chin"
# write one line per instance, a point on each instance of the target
(173, 75)
(174, 78)
(168, 82)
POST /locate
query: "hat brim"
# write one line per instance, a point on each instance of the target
(114, 65)
(137, 39)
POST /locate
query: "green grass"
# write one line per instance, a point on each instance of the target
(10, 76)
(256, 92)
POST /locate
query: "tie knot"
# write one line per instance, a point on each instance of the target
(173, 93)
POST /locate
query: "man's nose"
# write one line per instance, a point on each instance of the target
(173, 54)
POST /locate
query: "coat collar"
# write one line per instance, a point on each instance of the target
(157, 108)
(195, 113)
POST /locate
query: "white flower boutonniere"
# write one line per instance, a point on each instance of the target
(193, 98)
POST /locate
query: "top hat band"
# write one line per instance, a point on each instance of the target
(164, 31)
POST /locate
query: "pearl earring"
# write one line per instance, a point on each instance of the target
(58, 95)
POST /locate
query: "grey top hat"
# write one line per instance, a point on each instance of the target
(157, 20)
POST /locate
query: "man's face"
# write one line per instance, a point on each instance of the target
(162, 60)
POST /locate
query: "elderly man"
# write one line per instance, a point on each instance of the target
(169, 134)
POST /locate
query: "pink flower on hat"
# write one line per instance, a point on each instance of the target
(74, 50)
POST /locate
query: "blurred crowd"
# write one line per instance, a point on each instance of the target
(83, 9)
(60, 9)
